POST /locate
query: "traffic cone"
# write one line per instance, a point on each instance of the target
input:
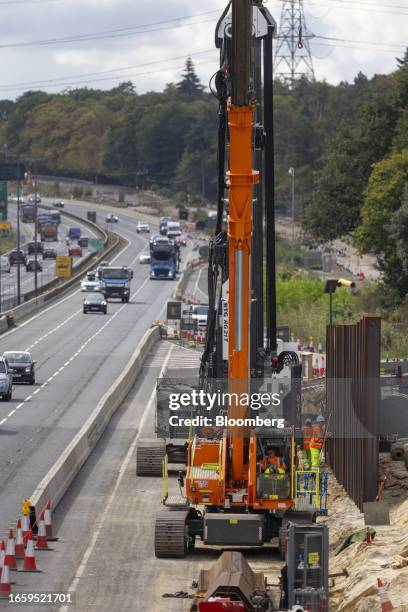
(25, 524)
(385, 601)
(42, 543)
(48, 523)
(10, 558)
(29, 561)
(19, 548)
(368, 538)
(2, 555)
(5, 586)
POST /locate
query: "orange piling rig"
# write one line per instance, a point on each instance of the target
(243, 504)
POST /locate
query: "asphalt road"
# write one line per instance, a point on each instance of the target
(9, 281)
(105, 522)
(78, 358)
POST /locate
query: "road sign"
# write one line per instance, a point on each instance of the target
(5, 226)
(12, 172)
(3, 200)
(96, 244)
(63, 266)
(174, 311)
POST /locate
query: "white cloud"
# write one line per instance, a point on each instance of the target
(65, 61)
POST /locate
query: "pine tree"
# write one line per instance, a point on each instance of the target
(190, 85)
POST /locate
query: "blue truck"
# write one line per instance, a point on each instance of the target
(164, 258)
(74, 233)
(115, 282)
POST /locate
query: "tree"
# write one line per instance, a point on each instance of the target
(190, 85)
(384, 220)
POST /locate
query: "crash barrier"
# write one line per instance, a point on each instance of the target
(78, 265)
(54, 485)
(35, 304)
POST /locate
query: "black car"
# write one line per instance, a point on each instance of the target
(16, 256)
(34, 247)
(49, 254)
(95, 302)
(21, 365)
(58, 204)
(32, 265)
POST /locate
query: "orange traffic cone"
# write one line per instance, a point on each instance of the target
(5, 586)
(385, 601)
(19, 548)
(2, 555)
(42, 543)
(10, 558)
(368, 538)
(29, 561)
(48, 523)
(25, 524)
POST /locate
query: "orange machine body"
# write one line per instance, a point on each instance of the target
(206, 478)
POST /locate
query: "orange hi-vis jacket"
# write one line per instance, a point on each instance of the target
(307, 437)
(312, 437)
(275, 462)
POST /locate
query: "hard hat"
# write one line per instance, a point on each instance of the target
(308, 422)
(320, 419)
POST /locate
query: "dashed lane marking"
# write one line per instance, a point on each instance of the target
(78, 352)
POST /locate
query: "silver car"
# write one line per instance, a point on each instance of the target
(6, 380)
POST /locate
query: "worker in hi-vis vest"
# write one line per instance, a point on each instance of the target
(316, 443)
(307, 440)
(272, 463)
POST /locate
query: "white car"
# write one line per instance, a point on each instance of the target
(144, 258)
(91, 282)
(111, 218)
(5, 265)
(142, 227)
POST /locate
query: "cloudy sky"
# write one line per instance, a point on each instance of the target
(147, 41)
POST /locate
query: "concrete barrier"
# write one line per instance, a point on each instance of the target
(3, 324)
(55, 484)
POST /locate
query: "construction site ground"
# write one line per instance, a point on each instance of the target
(106, 528)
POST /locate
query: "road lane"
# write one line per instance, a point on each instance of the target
(79, 357)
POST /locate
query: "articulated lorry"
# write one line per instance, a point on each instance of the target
(49, 232)
(164, 258)
(115, 282)
(27, 212)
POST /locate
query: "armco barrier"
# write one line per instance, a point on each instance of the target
(34, 305)
(54, 485)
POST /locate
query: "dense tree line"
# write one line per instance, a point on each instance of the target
(347, 144)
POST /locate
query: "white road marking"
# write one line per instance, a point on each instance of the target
(84, 345)
(11, 413)
(3, 421)
(99, 525)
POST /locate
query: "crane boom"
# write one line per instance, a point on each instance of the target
(240, 179)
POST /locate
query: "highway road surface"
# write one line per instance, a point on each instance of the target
(105, 555)
(78, 358)
(9, 281)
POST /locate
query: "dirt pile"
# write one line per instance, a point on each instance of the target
(385, 558)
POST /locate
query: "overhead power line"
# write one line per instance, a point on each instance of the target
(69, 83)
(357, 7)
(115, 33)
(87, 75)
(362, 42)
